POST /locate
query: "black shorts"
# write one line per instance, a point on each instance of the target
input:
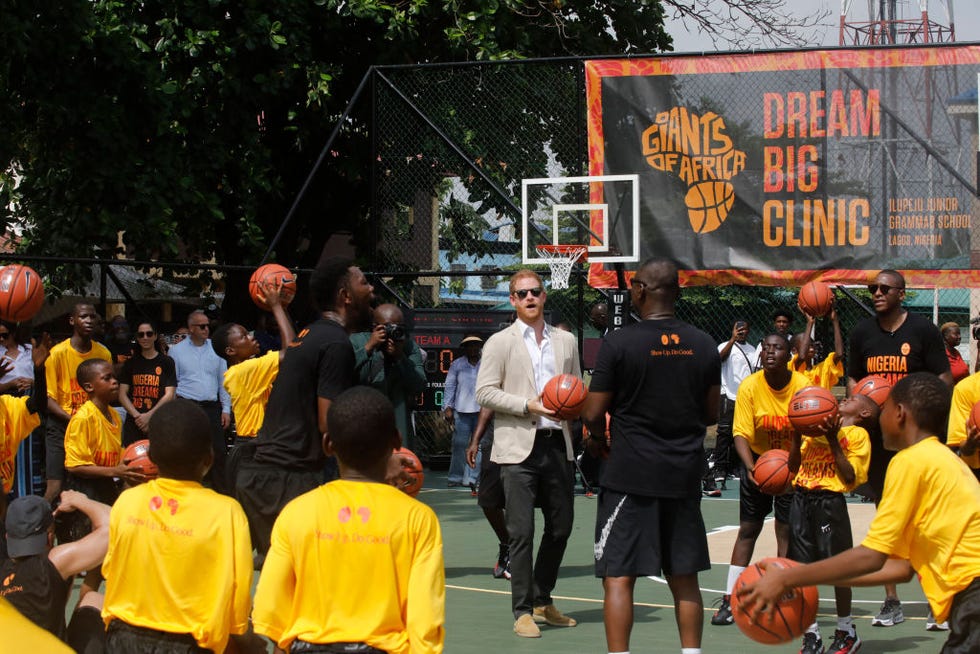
(86, 631)
(754, 505)
(491, 492)
(964, 621)
(263, 490)
(819, 525)
(54, 449)
(124, 638)
(637, 536)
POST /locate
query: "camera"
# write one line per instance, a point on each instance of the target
(976, 328)
(394, 332)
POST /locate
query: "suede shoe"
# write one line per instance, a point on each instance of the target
(551, 616)
(525, 627)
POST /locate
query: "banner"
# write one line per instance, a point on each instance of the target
(779, 168)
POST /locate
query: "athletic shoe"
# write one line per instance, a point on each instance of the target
(844, 643)
(709, 488)
(932, 625)
(724, 613)
(502, 569)
(890, 614)
(473, 491)
(812, 644)
(550, 615)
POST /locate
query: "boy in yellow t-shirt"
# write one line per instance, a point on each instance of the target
(179, 565)
(965, 394)
(928, 521)
(249, 377)
(355, 562)
(825, 468)
(828, 372)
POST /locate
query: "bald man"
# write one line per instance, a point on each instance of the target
(389, 360)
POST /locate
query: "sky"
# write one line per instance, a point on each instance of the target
(966, 19)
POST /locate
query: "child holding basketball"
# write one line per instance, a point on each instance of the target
(179, 566)
(825, 468)
(928, 521)
(828, 372)
(249, 377)
(355, 565)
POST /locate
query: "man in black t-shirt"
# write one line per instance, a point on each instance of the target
(287, 458)
(660, 381)
(892, 344)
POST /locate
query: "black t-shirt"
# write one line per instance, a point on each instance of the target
(35, 588)
(659, 372)
(916, 346)
(319, 363)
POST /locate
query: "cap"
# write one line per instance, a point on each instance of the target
(471, 339)
(28, 519)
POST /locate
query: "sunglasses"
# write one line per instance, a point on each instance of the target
(522, 293)
(884, 288)
(145, 334)
(4, 334)
(202, 326)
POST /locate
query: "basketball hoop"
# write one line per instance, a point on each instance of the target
(560, 259)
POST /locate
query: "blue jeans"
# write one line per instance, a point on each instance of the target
(459, 472)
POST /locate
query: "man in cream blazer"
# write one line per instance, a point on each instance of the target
(533, 450)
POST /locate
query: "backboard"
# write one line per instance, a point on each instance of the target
(601, 212)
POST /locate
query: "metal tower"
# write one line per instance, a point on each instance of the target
(892, 22)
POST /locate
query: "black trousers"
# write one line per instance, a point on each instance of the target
(721, 456)
(546, 479)
(124, 638)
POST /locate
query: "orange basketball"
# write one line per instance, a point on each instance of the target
(137, 457)
(815, 299)
(21, 293)
(414, 470)
(771, 472)
(794, 612)
(271, 273)
(874, 386)
(565, 395)
(708, 204)
(809, 407)
(974, 419)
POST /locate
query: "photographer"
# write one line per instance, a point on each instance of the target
(389, 361)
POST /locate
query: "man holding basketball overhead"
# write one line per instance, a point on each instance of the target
(893, 344)
(534, 452)
(660, 381)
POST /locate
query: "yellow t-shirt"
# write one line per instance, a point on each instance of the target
(93, 438)
(16, 424)
(965, 395)
(60, 370)
(180, 561)
(825, 374)
(28, 636)
(930, 514)
(249, 384)
(354, 562)
(818, 470)
(761, 414)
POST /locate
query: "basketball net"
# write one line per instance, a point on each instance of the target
(561, 258)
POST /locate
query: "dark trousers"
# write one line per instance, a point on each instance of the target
(545, 478)
(720, 461)
(216, 477)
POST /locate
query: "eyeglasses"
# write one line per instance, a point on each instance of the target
(177, 338)
(522, 292)
(4, 334)
(203, 325)
(884, 288)
(145, 334)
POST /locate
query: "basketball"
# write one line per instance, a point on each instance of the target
(795, 611)
(137, 457)
(809, 407)
(21, 293)
(815, 299)
(271, 273)
(414, 469)
(874, 386)
(565, 395)
(771, 472)
(708, 204)
(974, 419)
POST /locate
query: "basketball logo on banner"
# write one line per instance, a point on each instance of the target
(697, 149)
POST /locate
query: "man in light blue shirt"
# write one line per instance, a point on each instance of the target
(200, 373)
(461, 410)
